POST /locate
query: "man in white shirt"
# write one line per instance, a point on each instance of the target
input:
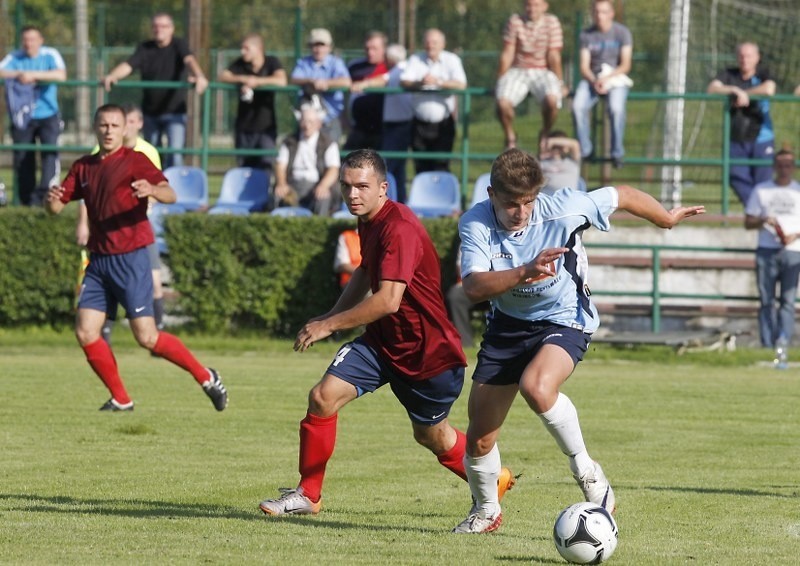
(774, 209)
(307, 166)
(434, 112)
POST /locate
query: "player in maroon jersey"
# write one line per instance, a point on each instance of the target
(115, 184)
(409, 342)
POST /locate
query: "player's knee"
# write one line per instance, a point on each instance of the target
(319, 404)
(539, 394)
(86, 336)
(146, 340)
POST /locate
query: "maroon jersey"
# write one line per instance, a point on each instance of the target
(117, 218)
(418, 341)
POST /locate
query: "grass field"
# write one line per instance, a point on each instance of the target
(702, 451)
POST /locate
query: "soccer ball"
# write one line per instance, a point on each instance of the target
(585, 533)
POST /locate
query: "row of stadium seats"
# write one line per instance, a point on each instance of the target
(245, 190)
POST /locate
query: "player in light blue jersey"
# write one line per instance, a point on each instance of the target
(522, 251)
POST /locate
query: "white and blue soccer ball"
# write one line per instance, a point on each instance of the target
(585, 533)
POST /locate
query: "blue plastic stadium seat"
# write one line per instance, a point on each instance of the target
(191, 186)
(435, 193)
(244, 190)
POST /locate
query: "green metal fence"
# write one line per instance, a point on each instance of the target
(479, 141)
(655, 294)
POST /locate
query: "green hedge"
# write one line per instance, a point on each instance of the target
(255, 272)
(39, 264)
(265, 272)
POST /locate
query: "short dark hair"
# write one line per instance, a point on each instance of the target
(366, 159)
(37, 29)
(107, 108)
(782, 152)
(516, 173)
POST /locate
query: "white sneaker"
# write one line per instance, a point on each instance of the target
(596, 488)
(291, 502)
(477, 522)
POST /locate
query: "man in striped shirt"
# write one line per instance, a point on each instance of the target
(530, 63)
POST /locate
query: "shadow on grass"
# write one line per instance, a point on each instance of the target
(746, 492)
(528, 559)
(124, 507)
(148, 509)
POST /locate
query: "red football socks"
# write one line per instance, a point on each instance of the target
(101, 358)
(170, 347)
(317, 440)
(453, 459)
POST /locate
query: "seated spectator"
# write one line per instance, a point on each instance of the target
(348, 256)
(366, 109)
(530, 63)
(307, 166)
(318, 73)
(560, 159)
(398, 116)
(256, 124)
(460, 308)
(605, 60)
(434, 112)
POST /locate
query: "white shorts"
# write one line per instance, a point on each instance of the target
(516, 83)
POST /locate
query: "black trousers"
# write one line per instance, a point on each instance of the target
(433, 136)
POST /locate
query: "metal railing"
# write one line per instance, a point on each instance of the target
(656, 294)
(462, 154)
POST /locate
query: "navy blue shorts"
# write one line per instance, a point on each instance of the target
(426, 402)
(124, 279)
(510, 344)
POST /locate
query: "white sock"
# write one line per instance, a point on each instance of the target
(482, 474)
(561, 421)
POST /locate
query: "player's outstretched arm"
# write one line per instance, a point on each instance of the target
(641, 204)
(381, 303)
(53, 202)
(482, 286)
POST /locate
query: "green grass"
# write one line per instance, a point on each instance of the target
(701, 449)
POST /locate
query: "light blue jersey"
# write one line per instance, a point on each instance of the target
(558, 220)
(45, 95)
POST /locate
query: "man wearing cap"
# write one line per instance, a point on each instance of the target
(320, 72)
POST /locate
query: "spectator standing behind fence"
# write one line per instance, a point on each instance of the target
(398, 118)
(434, 112)
(605, 61)
(752, 136)
(256, 124)
(530, 63)
(33, 109)
(320, 72)
(366, 109)
(163, 58)
(307, 167)
(774, 209)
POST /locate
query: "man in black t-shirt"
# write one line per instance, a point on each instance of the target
(366, 109)
(256, 123)
(752, 135)
(163, 58)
